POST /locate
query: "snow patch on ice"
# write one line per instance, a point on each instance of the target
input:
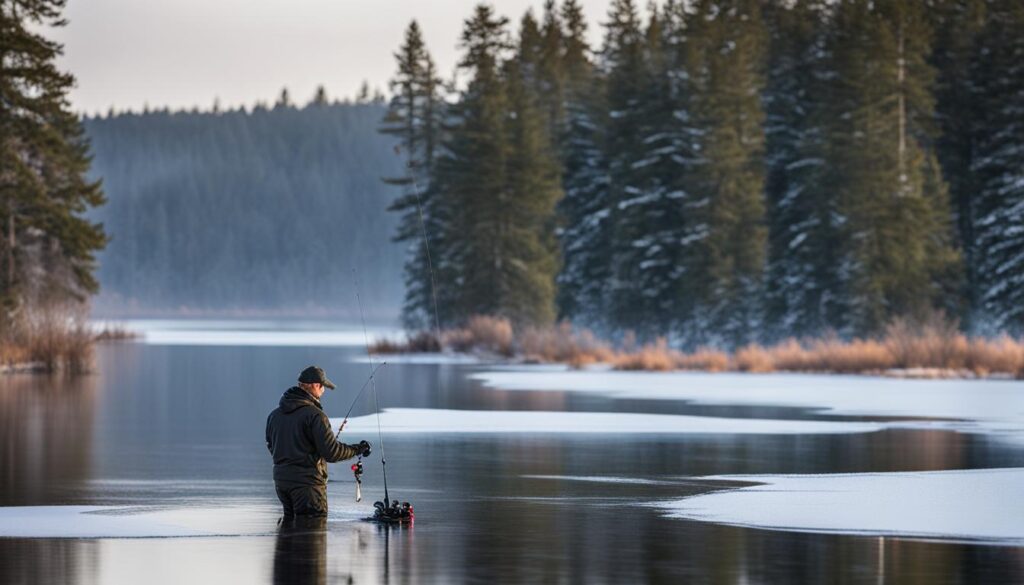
(959, 505)
(995, 404)
(603, 479)
(267, 333)
(133, 521)
(440, 421)
(420, 358)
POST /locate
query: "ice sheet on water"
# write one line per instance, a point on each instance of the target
(997, 404)
(603, 479)
(130, 522)
(960, 505)
(420, 358)
(440, 421)
(240, 519)
(252, 333)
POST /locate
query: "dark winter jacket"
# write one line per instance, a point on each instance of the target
(300, 438)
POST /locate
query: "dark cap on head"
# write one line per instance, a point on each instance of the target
(315, 375)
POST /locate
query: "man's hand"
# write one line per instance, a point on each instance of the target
(362, 448)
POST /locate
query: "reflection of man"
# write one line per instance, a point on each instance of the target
(300, 438)
(300, 553)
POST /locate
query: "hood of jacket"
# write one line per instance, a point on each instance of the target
(295, 398)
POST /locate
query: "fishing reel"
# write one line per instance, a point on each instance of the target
(364, 449)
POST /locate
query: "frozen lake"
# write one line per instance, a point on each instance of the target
(153, 470)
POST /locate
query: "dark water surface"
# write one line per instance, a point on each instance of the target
(182, 427)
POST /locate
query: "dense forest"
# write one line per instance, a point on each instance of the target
(262, 210)
(719, 171)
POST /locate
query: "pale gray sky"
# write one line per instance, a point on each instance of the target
(181, 53)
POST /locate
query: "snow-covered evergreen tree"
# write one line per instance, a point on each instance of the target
(623, 60)
(646, 208)
(801, 283)
(725, 49)
(498, 179)
(584, 209)
(997, 83)
(956, 25)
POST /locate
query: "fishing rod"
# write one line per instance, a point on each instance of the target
(373, 384)
(357, 467)
(385, 510)
(389, 511)
(358, 394)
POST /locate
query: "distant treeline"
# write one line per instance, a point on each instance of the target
(265, 210)
(720, 171)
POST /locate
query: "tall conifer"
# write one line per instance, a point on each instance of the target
(725, 51)
(997, 84)
(801, 284)
(895, 231)
(48, 246)
(415, 118)
(584, 209)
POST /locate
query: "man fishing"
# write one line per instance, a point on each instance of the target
(301, 441)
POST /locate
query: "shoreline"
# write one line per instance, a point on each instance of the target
(902, 351)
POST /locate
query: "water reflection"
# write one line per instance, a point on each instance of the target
(46, 436)
(300, 553)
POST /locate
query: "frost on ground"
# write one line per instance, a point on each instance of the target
(416, 420)
(979, 504)
(996, 405)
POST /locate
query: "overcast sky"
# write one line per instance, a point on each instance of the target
(181, 53)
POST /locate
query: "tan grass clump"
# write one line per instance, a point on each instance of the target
(936, 344)
(115, 333)
(791, 356)
(1002, 355)
(482, 333)
(753, 358)
(52, 337)
(418, 342)
(852, 357)
(703, 359)
(657, 357)
(563, 344)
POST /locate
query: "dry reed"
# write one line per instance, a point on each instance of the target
(934, 348)
(51, 338)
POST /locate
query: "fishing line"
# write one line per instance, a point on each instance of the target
(373, 384)
(360, 393)
(426, 244)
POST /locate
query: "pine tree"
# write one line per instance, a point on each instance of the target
(622, 57)
(801, 285)
(895, 232)
(997, 83)
(48, 246)
(651, 219)
(320, 97)
(528, 229)
(415, 118)
(725, 48)
(584, 209)
(956, 24)
(550, 88)
(500, 183)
